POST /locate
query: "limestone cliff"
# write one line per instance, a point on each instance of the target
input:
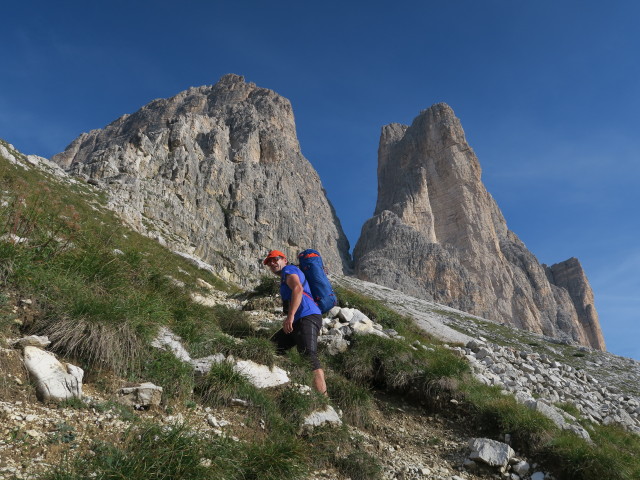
(216, 171)
(438, 234)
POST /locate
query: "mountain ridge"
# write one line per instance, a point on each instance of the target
(225, 159)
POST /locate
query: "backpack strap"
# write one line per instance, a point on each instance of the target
(282, 280)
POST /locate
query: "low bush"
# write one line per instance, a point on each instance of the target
(256, 349)
(259, 350)
(268, 287)
(222, 384)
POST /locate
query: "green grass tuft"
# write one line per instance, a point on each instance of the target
(355, 401)
(175, 376)
(498, 413)
(158, 453)
(359, 466)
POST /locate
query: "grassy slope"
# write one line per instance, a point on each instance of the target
(101, 291)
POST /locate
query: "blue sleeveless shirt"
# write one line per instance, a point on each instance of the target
(307, 305)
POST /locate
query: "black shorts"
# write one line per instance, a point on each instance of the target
(304, 337)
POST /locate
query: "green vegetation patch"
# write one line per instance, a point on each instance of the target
(498, 413)
(154, 452)
(395, 365)
(613, 453)
(359, 465)
(100, 290)
(355, 400)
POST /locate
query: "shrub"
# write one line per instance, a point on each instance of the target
(259, 350)
(278, 458)
(222, 384)
(269, 286)
(116, 347)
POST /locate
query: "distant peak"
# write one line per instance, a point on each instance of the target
(438, 110)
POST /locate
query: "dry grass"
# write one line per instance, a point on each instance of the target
(115, 347)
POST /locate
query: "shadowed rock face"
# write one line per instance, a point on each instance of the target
(438, 234)
(215, 171)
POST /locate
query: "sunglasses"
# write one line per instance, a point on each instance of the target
(273, 260)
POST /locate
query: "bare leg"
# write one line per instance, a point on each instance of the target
(318, 381)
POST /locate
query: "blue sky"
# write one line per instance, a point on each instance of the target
(548, 94)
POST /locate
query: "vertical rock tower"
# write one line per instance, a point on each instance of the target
(438, 234)
(216, 171)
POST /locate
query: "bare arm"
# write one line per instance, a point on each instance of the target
(293, 281)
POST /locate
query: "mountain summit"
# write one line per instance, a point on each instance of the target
(438, 234)
(215, 171)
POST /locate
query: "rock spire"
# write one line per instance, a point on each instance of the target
(438, 234)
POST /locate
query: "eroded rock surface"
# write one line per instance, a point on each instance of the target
(215, 171)
(438, 234)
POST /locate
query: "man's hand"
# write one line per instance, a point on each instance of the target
(287, 324)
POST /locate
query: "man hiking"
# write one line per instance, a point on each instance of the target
(303, 320)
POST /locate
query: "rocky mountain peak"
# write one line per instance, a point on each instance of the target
(438, 234)
(216, 171)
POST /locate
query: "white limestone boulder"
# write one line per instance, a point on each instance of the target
(258, 375)
(360, 318)
(54, 380)
(491, 452)
(167, 340)
(202, 366)
(143, 395)
(345, 314)
(549, 411)
(337, 345)
(261, 376)
(33, 341)
(328, 416)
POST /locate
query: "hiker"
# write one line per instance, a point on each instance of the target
(303, 320)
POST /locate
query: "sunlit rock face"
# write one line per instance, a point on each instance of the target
(215, 171)
(438, 234)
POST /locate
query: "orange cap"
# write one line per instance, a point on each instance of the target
(274, 254)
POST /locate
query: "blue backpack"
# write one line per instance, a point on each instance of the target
(311, 265)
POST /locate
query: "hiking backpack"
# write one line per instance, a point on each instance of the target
(311, 265)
